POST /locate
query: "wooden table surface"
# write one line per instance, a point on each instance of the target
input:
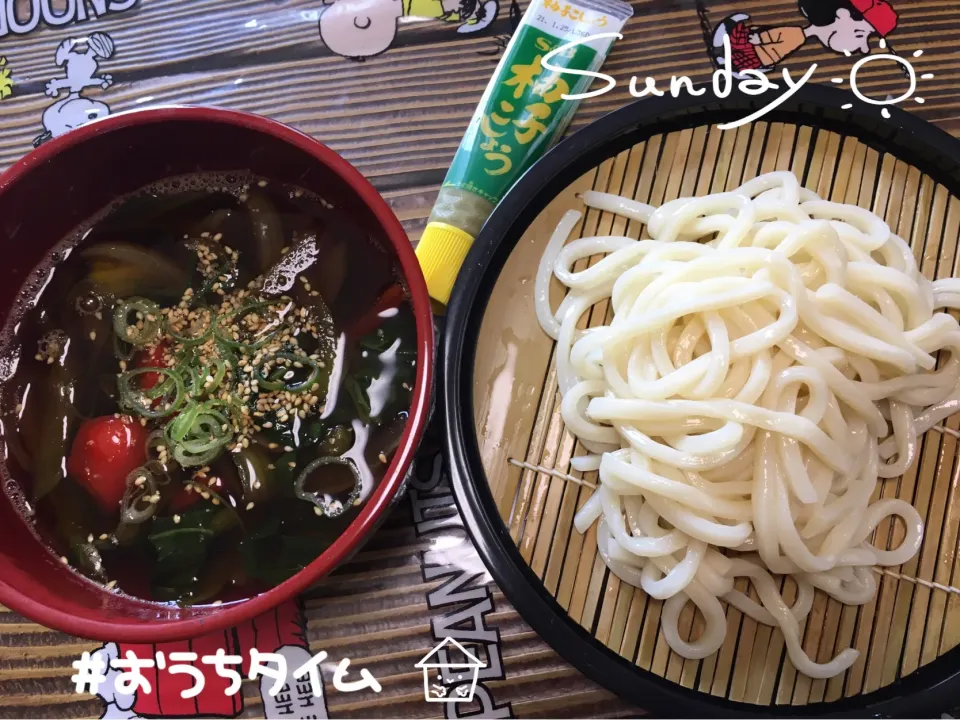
(398, 117)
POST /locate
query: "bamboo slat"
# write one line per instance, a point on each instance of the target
(906, 625)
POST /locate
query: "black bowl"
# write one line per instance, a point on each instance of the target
(930, 690)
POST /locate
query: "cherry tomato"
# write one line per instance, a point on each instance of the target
(151, 358)
(391, 298)
(105, 450)
(183, 500)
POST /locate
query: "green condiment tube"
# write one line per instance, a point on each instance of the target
(522, 112)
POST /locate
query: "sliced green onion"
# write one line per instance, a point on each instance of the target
(217, 371)
(129, 332)
(182, 423)
(196, 436)
(137, 506)
(187, 459)
(191, 340)
(162, 388)
(196, 384)
(121, 352)
(227, 354)
(132, 397)
(160, 473)
(328, 505)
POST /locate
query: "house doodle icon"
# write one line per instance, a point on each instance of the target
(462, 675)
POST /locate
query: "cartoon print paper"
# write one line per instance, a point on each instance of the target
(281, 631)
(362, 28)
(842, 26)
(80, 59)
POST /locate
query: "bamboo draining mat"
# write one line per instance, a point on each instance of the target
(398, 117)
(906, 626)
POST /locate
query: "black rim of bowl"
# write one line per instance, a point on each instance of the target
(931, 689)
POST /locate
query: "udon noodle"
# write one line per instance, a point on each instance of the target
(770, 362)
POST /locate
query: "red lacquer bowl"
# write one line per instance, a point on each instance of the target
(64, 182)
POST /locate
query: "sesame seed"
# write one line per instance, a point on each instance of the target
(111, 585)
(249, 506)
(292, 464)
(383, 458)
(271, 466)
(287, 448)
(176, 519)
(90, 538)
(104, 536)
(63, 559)
(93, 334)
(317, 510)
(139, 481)
(217, 602)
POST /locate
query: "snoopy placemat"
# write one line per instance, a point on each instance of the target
(413, 621)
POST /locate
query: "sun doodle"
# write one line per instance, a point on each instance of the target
(908, 70)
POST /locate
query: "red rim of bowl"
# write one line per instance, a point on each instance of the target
(229, 615)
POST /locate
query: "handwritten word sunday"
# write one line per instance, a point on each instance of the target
(751, 82)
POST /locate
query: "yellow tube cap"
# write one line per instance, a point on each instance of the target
(441, 252)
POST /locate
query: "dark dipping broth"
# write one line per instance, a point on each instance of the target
(211, 378)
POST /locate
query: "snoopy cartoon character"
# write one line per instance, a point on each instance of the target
(81, 73)
(359, 29)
